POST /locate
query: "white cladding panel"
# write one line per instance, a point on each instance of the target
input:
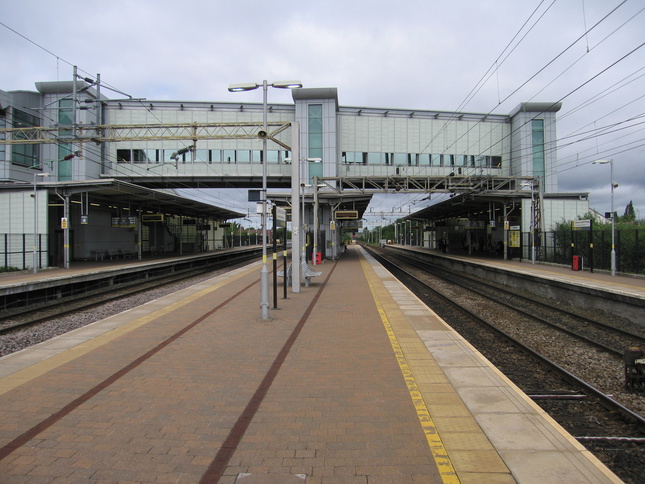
(390, 134)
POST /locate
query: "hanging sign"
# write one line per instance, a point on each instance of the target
(346, 214)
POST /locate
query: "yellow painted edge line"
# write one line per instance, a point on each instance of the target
(438, 450)
(38, 369)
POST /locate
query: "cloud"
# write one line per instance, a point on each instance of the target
(415, 55)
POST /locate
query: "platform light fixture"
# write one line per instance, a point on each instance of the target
(264, 272)
(613, 214)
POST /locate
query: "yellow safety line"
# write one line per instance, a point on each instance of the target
(438, 450)
(34, 371)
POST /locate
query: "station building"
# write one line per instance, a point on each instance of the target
(104, 164)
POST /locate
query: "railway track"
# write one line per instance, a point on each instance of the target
(38, 312)
(611, 337)
(570, 365)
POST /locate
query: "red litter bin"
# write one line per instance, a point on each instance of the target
(575, 263)
(318, 258)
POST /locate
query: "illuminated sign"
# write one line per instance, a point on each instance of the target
(346, 214)
(152, 217)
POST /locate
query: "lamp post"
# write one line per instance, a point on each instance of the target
(613, 214)
(35, 260)
(264, 272)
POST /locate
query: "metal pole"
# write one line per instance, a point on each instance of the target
(532, 222)
(613, 221)
(275, 259)
(66, 256)
(303, 249)
(296, 214)
(315, 253)
(35, 266)
(264, 272)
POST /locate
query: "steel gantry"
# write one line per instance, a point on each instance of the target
(141, 132)
(427, 184)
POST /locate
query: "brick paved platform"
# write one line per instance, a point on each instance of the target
(352, 380)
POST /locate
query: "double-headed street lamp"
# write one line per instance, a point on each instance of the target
(264, 272)
(613, 214)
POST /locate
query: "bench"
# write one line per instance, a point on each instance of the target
(307, 273)
(126, 254)
(281, 274)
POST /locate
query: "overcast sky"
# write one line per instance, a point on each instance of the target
(458, 55)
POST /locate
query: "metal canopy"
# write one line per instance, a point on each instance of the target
(427, 184)
(344, 201)
(116, 191)
(470, 205)
(205, 181)
(466, 206)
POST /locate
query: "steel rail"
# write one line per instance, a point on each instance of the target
(605, 400)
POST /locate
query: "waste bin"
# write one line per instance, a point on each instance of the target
(576, 263)
(318, 258)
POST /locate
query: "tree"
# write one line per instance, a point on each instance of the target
(630, 213)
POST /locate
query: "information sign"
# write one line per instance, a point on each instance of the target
(581, 224)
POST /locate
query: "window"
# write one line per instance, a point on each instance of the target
(229, 156)
(26, 155)
(400, 158)
(354, 157)
(123, 156)
(243, 156)
(273, 156)
(65, 118)
(437, 160)
(424, 159)
(315, 124)
(482, 161)
(215, 156)
(139, 156)
(202, 156)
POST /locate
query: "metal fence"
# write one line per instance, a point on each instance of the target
(17, 250)
(592, 247)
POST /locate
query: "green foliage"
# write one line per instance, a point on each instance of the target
(9, 269)
(630, 213)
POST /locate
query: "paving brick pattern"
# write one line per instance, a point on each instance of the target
(338, 410)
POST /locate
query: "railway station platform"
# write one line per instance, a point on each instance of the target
(630, 284)
(352, 380)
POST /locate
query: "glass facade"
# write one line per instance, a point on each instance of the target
(3, 125)
(65, 118)
(315, 120)
(26, 155)
(421, 159)
(201, 156)
(537, 139)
